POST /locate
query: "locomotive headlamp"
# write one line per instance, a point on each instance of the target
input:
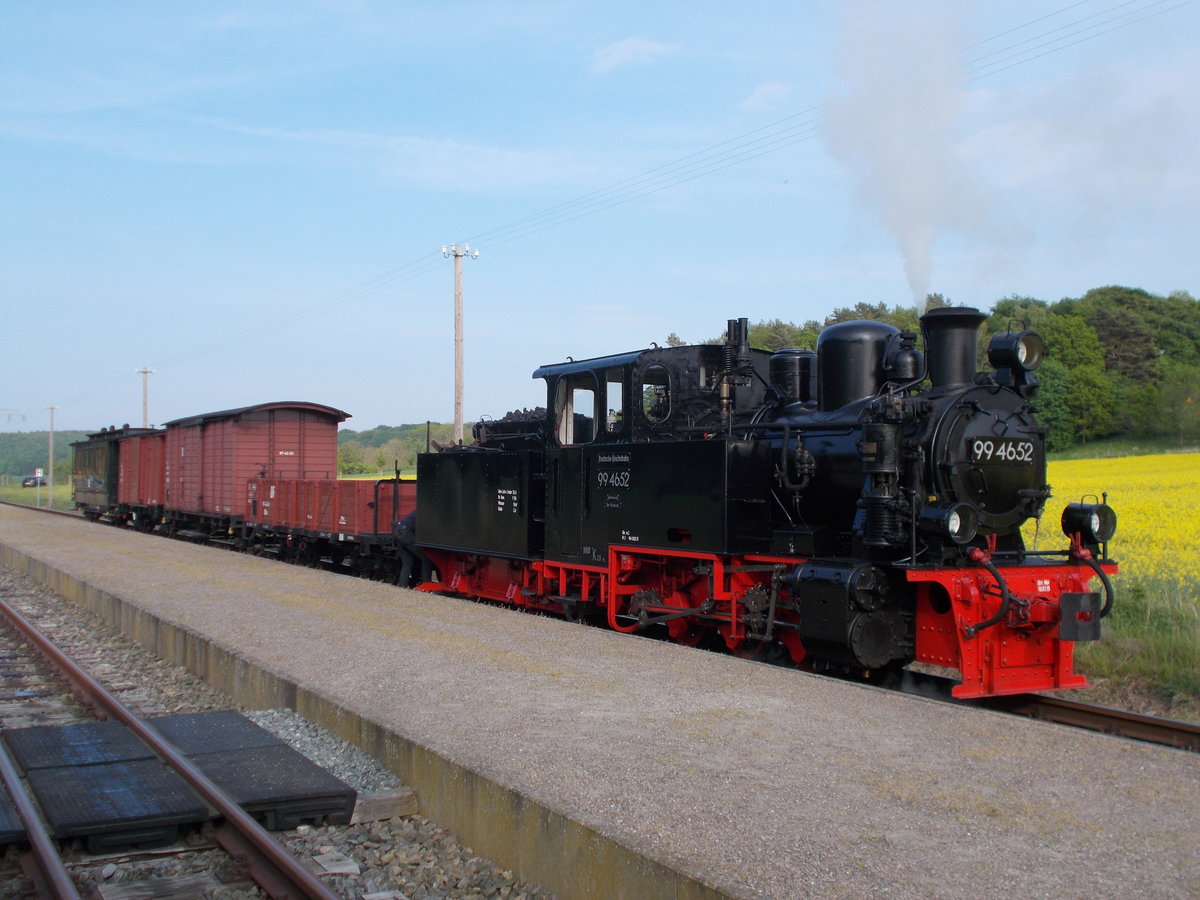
(1020, 350)
(1096, 522)
(957, 522)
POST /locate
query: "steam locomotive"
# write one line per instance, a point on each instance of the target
(859, 507)
(855, 509)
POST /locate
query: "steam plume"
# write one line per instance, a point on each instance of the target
(894, 123)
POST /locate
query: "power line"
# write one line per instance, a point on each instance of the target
(770, 138)
(1078, 34)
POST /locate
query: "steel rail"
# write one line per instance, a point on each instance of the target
(276, 870)
(42, 509)
(48, 873)
(1065, 711)
(1135, 726)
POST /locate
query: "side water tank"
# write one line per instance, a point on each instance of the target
(851, 361)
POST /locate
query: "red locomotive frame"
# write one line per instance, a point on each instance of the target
(1022, 653)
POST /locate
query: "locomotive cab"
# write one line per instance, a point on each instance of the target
(634, 454)
(664, 393)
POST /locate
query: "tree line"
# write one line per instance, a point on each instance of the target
(22, 452)
(388, 448)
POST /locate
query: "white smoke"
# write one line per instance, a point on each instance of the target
(893, 124)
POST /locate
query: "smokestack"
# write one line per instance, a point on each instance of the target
(952, 344)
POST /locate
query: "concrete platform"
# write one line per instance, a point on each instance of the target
(607, 766)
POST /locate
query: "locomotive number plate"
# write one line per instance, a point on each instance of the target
(1001, 450)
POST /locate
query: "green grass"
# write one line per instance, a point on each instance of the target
(1124, 446)
(1151, 642)
(375, 476)
(14, 493)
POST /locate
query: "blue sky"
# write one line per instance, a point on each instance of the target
(251, 198)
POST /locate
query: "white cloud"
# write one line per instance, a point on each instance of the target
(630, 52)
(431, 163)
(768, 95)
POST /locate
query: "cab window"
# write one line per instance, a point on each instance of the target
(656, 394)
(575, 409)
(614, 420)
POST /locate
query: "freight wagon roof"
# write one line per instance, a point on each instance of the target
(319, 408)
(114, 433)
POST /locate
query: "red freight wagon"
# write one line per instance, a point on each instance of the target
(370, 507)
(140, 480)
(209, 458)
(331, 509)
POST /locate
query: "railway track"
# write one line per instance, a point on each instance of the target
(1135, 726)
(276, 871)
(44, 509)
(1064, 711)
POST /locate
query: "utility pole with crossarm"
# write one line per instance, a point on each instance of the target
(458, 252)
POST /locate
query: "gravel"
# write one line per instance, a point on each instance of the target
(403, 857)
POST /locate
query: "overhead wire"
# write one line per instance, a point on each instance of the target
(774, 136)
(1109, 20)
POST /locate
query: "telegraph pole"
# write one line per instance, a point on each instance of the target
(145, 372)
(50, 468)
(458, 252)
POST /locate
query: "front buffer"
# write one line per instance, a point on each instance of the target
(1015, 634)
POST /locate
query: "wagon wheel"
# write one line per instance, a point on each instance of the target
(306, 555)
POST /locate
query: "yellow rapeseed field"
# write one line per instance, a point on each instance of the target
(1157, 501)
(1151, 643)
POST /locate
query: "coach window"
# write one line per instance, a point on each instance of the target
(656, 394)
(575, 409)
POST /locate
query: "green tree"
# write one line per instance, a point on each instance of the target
(906, 318)
(1139, 409)
(1128, 343)
(350, 459)
(1071, 341)
(1016, 313)
(776, 334)
(1180, 402)
(1092, 402)
(1053, 407)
